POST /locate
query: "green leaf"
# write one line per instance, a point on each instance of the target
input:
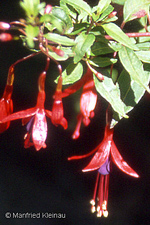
(103, 5)
(134, 66)
(72, 73)
(32, 8)
(68, 9)
(83, 44)
(106, 12)
(144, 46)
(131, 8)
(57, 57)
(78, 27)
(59, 39)
(31, 32)
(80, 6)
(109, 91)
(115, 45)
(67, 53)
(144, 56)
(131, 91)
(117, 34)
(102, 61)
(100, 48)
(60, 14)
(57, 19)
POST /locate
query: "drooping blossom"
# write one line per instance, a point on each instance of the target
(6, 103)
(105, 153)
(38, 130)
(88, 100)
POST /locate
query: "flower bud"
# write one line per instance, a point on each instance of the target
(48, 9)
(4, 26)
(112, 14)
(58, 51)
(6, 37)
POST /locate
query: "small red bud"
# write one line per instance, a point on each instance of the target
(99, 76)
(112, 14)
(48, 9)
(4, 26)
(59, 52)
(5, 37)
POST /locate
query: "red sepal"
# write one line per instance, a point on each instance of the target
(121, 164)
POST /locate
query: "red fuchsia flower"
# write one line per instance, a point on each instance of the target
(106, 152)
(57, 109)
(88, 100)
(38, 128)
(6, 103)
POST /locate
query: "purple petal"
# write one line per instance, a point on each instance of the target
(105, 168)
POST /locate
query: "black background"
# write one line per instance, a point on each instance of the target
(45, 181)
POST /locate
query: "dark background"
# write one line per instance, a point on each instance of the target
(45, 181)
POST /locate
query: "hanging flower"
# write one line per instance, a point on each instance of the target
(6, 107)
(6, 103)
(39, 125)
(106, 152)
(88, 100)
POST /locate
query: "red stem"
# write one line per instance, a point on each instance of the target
(146, 34)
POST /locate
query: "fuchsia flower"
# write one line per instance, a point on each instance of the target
(6, 103)
(6, 107)
(106, 152)
(39, 126)
(36, 116)
(88, 100)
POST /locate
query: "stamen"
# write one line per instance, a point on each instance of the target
(105, 213)
(100, 194)
(106, 189)
(93, 209)
(96, 185)
(92, 202)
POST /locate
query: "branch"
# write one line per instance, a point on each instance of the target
(146, 34)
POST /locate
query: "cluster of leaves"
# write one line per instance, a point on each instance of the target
(91, 35)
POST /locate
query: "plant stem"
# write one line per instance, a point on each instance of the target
(146, 34)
